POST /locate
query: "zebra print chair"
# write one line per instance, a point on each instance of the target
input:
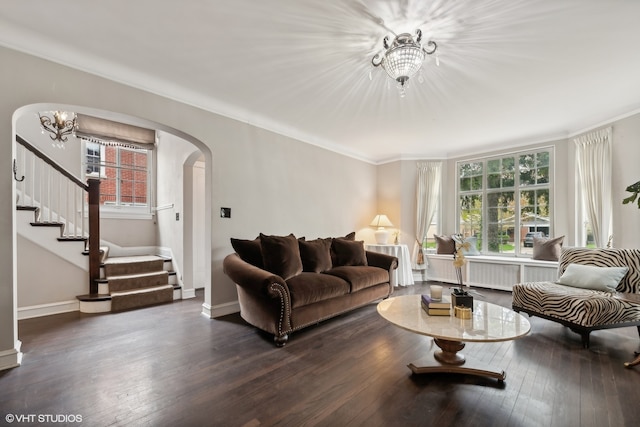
(585, 310)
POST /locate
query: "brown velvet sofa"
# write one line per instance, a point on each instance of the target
(285, 284)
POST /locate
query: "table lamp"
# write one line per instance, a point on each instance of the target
(380, 222)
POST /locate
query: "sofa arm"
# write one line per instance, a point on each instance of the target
(250, 277)
(385, 261)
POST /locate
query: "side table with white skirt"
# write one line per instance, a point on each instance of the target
(404, 274)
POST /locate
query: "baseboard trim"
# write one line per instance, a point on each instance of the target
(188, 293)
(221, 309)
(48, 309)
(11, 358)
(206, 310)
(103, 306)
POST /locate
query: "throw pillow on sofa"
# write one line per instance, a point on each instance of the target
(249, 250)
(545, 249)
(350, 236)
(592, 277)
(348, 252)
(281, 255)
(315, 254)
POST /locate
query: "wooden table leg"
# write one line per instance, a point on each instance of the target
(635, 362)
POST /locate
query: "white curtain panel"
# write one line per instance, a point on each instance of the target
(593, 162)
(429, 177)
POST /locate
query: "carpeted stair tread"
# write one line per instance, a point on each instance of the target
(135, 298)
(118, 266)
(137, 281)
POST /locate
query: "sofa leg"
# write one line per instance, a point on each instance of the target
(638, 330)
(280, 340)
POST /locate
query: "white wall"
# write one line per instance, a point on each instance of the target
(195, 209)
(54, 281)
(276, 185)
(626, 171)
(625, 156)
(171, 155)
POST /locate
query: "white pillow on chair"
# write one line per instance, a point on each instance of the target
(593, 277)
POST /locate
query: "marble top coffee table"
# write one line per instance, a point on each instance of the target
(489, 323)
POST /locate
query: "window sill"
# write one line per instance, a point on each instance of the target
(110, 213)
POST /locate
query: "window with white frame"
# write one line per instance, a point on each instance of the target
(124, 176)
(505, 201)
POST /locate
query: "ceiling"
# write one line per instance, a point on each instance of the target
(511, 72)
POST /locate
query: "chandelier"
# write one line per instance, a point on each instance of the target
(59, 126)
(403, 58)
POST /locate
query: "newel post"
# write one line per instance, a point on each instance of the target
(94, 234)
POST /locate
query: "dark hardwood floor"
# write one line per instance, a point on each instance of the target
(170, 366)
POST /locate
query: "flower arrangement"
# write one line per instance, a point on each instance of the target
(459, 260)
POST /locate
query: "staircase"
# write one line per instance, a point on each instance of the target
(129, 282)
(126, 282)
(57, 199)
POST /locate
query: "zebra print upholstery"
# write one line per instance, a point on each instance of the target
(584, 310)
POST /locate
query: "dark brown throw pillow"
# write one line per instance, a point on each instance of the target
(281, 255)
(445, 244)
(547, 249)
(315, 255)
(249, 250)
(348, 252)
(351, 236)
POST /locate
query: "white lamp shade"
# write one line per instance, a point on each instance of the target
(381, 221)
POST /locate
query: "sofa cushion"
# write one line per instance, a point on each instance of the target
(281, 255)
(591, 277)
(360, 277)
(348, 252)
(445, 245)
(308, 288)
(315, 254)
(545, 249)
(249, 250)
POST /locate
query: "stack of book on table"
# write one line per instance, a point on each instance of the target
(441, 307)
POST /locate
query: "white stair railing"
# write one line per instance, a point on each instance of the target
(57, 194)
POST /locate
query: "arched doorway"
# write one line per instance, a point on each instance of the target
(26, 124)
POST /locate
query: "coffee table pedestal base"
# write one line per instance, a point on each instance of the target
(448, 360)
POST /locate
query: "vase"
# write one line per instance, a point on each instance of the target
(461, 298)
